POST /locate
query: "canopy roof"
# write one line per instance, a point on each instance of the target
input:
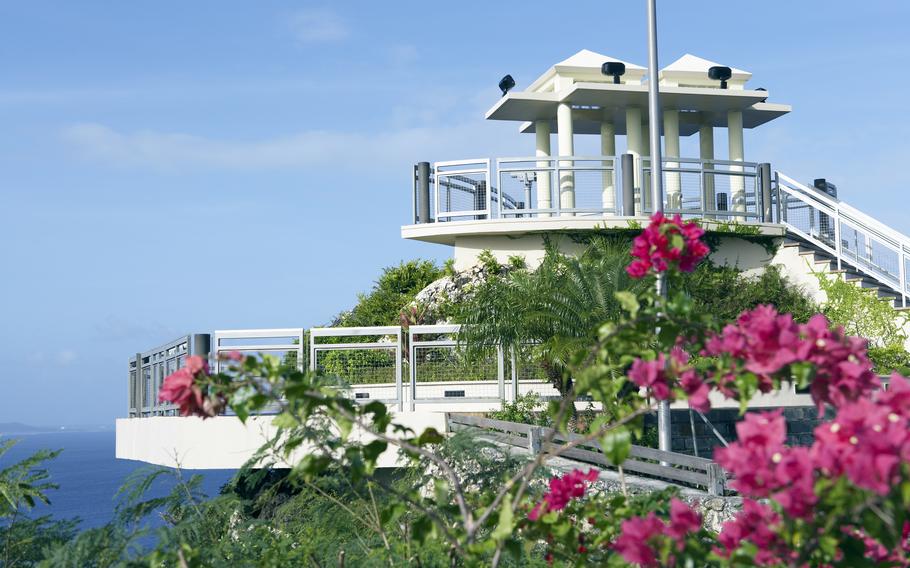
(684, 86)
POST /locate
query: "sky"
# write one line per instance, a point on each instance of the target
(180, 167)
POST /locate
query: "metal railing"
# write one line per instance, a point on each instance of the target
(147, 371)
(585, 186)
(367, 359)
(847, 234)
(648, 462)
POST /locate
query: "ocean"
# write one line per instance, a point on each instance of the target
(89, 475)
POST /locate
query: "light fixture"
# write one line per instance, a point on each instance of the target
(720, 73)
(764, 90)
(614, 69)
(506, 84)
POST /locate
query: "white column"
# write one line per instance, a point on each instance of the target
(735, 138)
(608, 148)
(646, 152)
(671, 150)
(706, 152)
(544, 199)
(566, 148)
(634, 144)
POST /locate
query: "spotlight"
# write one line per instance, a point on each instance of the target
(719, 73)
(506, 84)
(614, 69)
(763, 90)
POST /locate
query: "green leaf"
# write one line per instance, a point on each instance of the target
(617, 444)
(430, 436)
(628, 301)
(374, 449)
(506, 523)
(284, 420)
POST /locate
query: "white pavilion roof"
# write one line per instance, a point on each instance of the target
(584, 66)
(692, 71)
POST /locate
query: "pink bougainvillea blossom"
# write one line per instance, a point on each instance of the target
(765, 343)
(641, 537)
(660, 375)
(562, 490)
(756, 523)
(180, 388)
(667, 242)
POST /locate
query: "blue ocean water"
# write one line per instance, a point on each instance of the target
(89, 475)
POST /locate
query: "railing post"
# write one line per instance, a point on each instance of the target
(627, 167)
(764, 174)
(778, 196)
(423, 192)
(412, 371)
(716, 479)
(501, 372)
(837, 243)
(514, 374)
(535, 439)
(903, 274)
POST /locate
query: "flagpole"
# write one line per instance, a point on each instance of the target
(657, 188)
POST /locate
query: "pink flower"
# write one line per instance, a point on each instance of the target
(235, 356)
(180, 388)
(756, 523)
(683, 520)
(641, 536)
(667, 242)
(635, 543)
(562, 490)
(650, 375)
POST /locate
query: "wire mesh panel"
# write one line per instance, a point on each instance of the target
(147, 372)
(367, 361)
(712, 189)
(876, 253)
(527, 187)
(288, 344)
(462, 190)
(528, 374)
(440, 370)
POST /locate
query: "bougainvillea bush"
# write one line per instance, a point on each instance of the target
(841, 502)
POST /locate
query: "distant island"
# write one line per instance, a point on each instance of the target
(18, 428)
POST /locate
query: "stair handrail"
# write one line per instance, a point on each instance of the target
(860, 221)
(860, 218)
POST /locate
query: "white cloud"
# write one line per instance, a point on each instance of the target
(318, 26)
(383, 150)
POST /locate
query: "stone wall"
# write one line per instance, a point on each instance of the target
(801, 421)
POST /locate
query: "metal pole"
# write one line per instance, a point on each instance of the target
(657, 188)
(764, 174)
(627, 163)
(423, 192)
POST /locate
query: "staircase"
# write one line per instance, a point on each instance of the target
(838, 239)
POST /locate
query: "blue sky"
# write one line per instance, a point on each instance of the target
(172, 167)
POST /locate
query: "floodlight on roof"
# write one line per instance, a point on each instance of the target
(506, 84)
(614, 69)
(720, 73)
(763, 90)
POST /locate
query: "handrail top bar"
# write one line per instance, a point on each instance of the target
(586, 158)
(435, 328)
(259, 333)
(164, 346)
(354, 331)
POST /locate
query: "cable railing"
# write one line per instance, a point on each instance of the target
(585, 186)
(847, 234)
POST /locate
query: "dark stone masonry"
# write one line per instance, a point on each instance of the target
(801, 421)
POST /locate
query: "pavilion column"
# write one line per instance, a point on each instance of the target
(671, 150)
(735, 139)
(608, 148)
(706, 152)
(545, 167)
(634, 146)
(566, 148)
(646, 180)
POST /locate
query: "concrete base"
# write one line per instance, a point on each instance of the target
(224, 442)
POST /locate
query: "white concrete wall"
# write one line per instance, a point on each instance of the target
(732, 250)
(223, 442)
